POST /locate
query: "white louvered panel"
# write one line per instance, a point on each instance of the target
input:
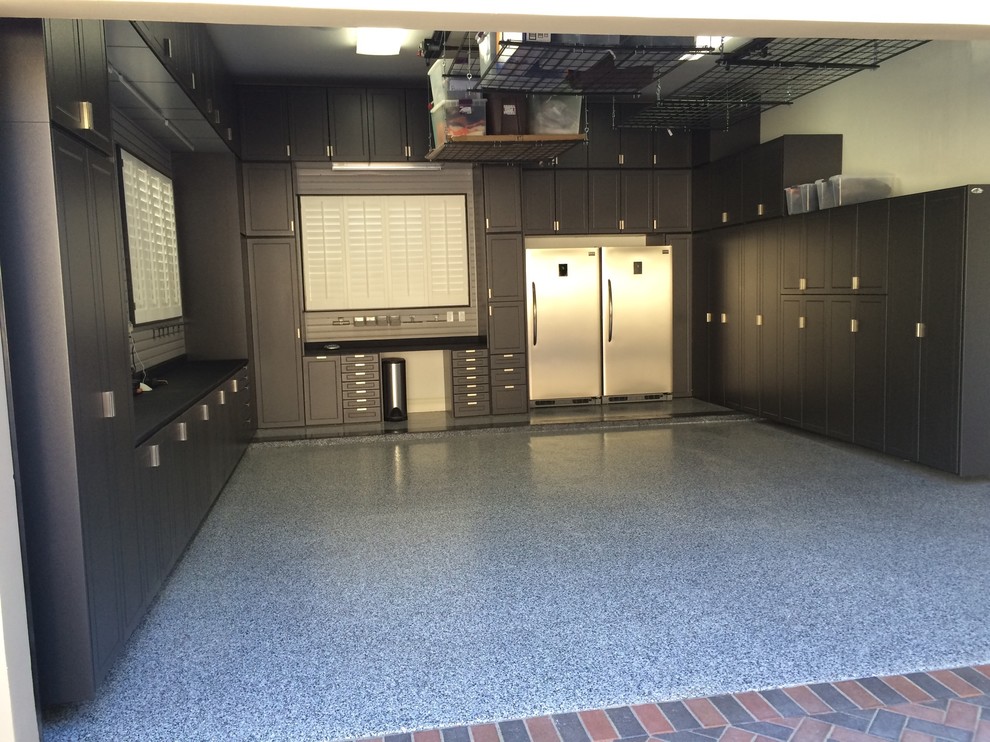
(407, 246)
(324, 264)
(448, 252)
(364, 248)
(151, 242)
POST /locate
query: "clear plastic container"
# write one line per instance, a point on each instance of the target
(854, 189)
(445, 87)
(554, 114)
(801, 198)
(465, 117)
(826, 200)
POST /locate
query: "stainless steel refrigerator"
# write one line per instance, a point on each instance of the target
(600, 324)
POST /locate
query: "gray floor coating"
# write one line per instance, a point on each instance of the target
(348, 590)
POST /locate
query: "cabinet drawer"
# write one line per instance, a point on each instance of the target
(508, 375)
(467, 354)
(367, 392)
(363, 414)
(361, 358)
(473, 407)
(369, 375)
(469, 364)
(369, 403)
(462, 384)
(359, 365)
(469, 377)
(468, 396)
(508, 360)
(363, 384)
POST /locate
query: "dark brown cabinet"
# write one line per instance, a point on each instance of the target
(502, 185)
(620, 201)
(79, 95)
(323, 390)
(804, 253)
(506, 268)
(269, 209)
(858, 248)
(348, 125)
(671, 201)
(277, 347)
(264, 123)
(803, 342)
(786, 161)
(555, 201)
(467, 390)
(308, 124)
(387, 135)
(507, 328)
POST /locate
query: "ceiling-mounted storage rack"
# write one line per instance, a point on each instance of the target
(553, 68)
(504, 147)
(760, 75)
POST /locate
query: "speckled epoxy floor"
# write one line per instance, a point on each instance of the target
(370, 586)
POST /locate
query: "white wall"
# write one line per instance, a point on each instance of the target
(18, 719)
(924, 117)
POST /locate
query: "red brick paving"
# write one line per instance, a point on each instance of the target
(818, 723)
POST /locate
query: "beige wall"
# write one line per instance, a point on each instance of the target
(923, 117)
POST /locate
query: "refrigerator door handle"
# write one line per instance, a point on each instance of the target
(610, 310)
(534, 313)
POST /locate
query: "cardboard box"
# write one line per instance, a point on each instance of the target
(508, 113)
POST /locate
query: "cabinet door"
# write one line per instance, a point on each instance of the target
(507, 328)
(770, 313)
(726, 191)
(323, 394)
(907, 218)
(840, 375)
(752, 194)
(603, 201)
(716, 301)
(790, 359)
(387, 137)
(871, 245)
(672, 201)
(506, 268)
(276, 332)
(842, 248)
(636, 189)
(418, 127)
(871, 331)
(502, 201)
(348, 125)
(700, 316)
(603, 137)
(771, 179)
(671, 149)
(813, 377)
(635, 145)
(941, 346)
(816, 250)
(98, 504)
(571, 201)
(264, 123)
(731, 321)
(792, 253)
(309, 125)
(538, 202)
(701, 195)
(268, 202)
(95, 86)
(750, 320)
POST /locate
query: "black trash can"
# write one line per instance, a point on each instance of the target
(394, 389)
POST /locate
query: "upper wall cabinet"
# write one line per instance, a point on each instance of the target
(79, 96)
(502, 194)
(342, 124)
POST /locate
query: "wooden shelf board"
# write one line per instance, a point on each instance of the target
(504, 147)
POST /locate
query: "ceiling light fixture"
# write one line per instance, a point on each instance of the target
(380, 42)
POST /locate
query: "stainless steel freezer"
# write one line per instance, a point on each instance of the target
(600, 324)
(564, 324)
(637, 323)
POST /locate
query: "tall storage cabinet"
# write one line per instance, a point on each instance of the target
(61, 262)
(277, 333)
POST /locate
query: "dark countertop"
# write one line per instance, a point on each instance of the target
(188, 381)
(410, 344)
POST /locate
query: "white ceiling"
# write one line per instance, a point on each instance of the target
(304, 53)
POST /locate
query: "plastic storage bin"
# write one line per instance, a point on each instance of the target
(801, 198)
(826, 200)
(854, 189)
(554, 114)
(458, 118)
(445, 87)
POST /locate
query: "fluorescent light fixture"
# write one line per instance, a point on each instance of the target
(380, 42)
(384, 166)
(704, 42)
